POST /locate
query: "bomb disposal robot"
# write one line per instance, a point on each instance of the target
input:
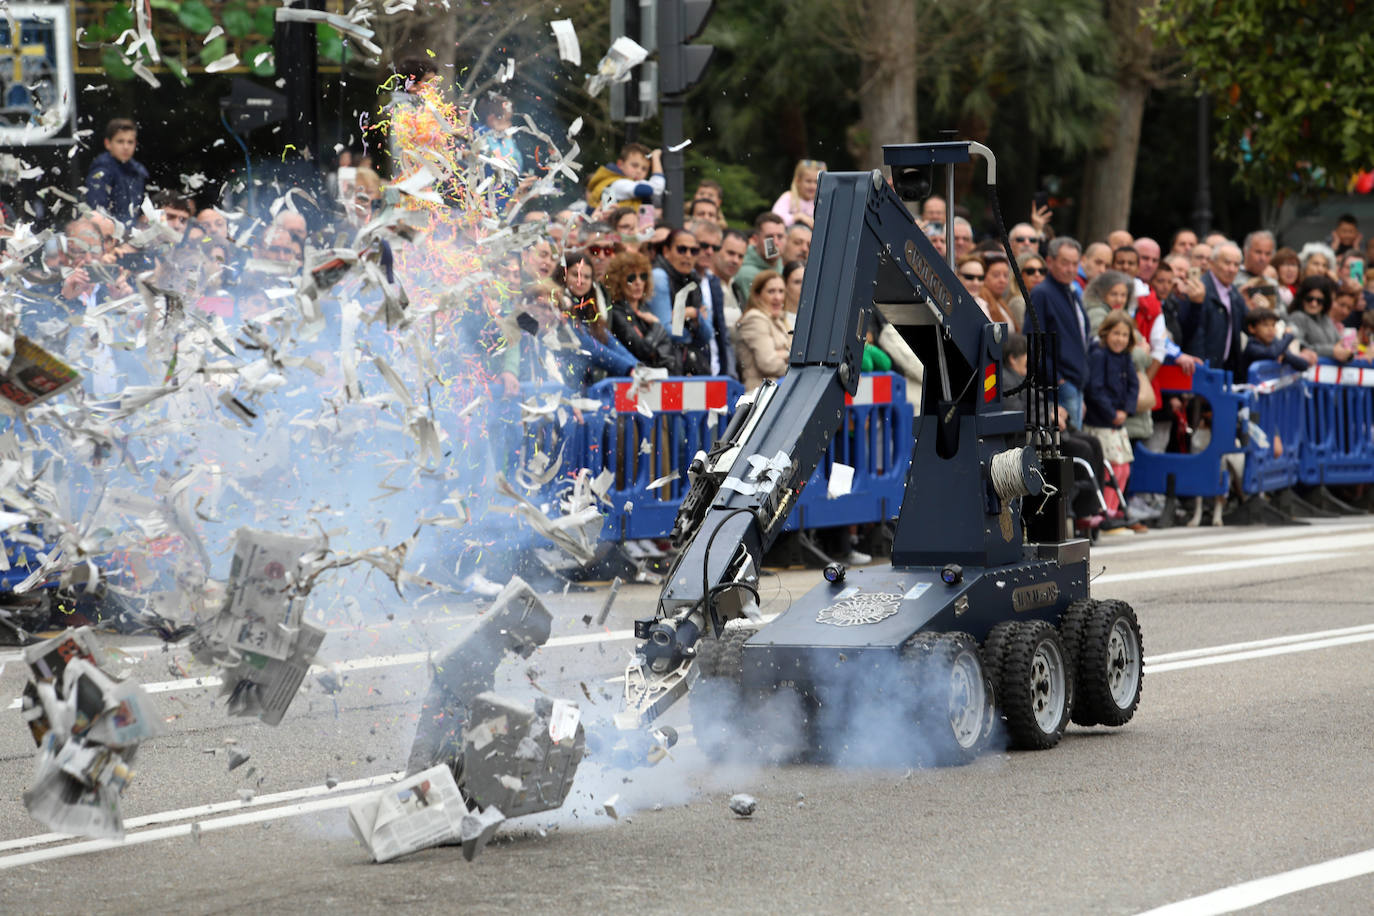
(984, 614)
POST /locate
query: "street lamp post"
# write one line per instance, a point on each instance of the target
(1202, 203)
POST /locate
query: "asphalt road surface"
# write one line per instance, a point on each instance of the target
(1244, 779)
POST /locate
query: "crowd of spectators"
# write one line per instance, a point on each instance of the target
(607, 284)
(1212, 301)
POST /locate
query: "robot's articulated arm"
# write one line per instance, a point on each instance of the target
(867, 250)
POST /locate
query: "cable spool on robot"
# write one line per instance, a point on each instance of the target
(1016, 472)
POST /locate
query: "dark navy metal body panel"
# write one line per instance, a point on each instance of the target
(799, 650)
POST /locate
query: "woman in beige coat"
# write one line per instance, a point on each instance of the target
(762, 341)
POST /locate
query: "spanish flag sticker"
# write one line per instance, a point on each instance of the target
(989, 382)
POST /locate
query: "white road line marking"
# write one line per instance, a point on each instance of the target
(1253, 893)
(1258, 643)
(1180, 539)
(1341, 541)
(197, 811)
(1257, 653)
(376, 661)
(1222, 566)
(162, 833)
(16, 656)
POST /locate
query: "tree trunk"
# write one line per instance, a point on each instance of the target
(888, 91)
(1109, 176)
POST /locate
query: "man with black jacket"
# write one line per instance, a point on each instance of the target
(1061, 309)
(1212, 327)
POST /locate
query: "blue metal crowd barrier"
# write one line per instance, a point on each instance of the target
(1277, 406)
(876, 442)
(652, 432)
(1317, 428)
(1200, 473)
(1338, 426)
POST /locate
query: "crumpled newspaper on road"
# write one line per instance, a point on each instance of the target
(88, 726)
(418, 812)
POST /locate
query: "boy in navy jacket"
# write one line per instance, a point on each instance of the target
(116, 181)
(1262, 326)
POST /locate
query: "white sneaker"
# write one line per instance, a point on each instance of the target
(1140, 509)
(479, 584)
(857, 558)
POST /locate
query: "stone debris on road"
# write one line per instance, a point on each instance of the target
(743, 805)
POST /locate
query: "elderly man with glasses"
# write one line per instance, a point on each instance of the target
(1024, 237)
(1212, 327)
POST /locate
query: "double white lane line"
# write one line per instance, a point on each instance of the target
(314, 799)
(259, 809)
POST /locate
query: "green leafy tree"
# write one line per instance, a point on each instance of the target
(1048, 60)
(181, 26)
(1290, 82)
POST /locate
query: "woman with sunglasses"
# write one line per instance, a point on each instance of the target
(674, 277)
(1311, 320)
(798, 203)
(598, 354)
(1032, 268)
(628, 286)
(762, 341)
(972, 269)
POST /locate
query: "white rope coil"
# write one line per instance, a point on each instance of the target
(1007, 479)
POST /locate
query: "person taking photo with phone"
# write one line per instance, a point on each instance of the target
(765, 252)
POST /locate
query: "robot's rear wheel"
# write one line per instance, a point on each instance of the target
(1110, 665)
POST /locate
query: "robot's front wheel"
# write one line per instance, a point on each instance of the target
(957, 699)
(1034, 682)
(731, 723)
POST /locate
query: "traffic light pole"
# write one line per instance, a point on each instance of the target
(680, 66)
(674, 199)
(296, 61)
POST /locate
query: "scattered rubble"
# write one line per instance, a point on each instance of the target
(501, 757)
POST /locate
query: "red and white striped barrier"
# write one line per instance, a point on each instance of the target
(1341, 375)
(671, 397)
(873, 389)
